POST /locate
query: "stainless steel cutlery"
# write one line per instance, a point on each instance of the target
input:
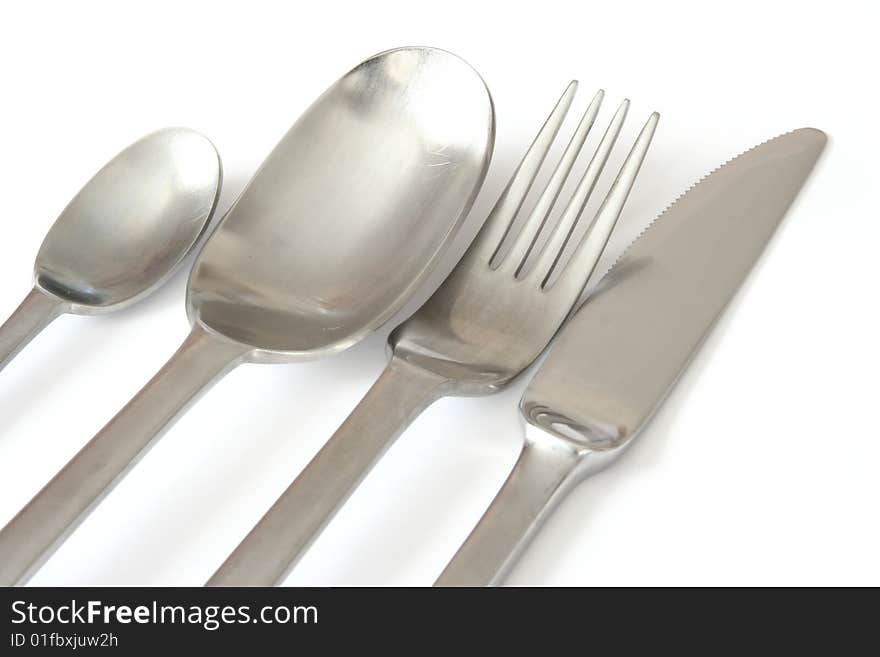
(616, 360)
(122, 235)
(492, 316)
(342, 222)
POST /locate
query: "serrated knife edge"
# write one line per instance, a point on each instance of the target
(632, 243)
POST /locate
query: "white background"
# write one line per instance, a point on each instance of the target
(761, 468)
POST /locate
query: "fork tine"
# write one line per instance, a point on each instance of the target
(552, 251)
(525, 241)
(498, 223)
(582, 263)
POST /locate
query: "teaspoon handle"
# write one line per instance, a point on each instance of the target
(43, 524)
(33, 315)
(543, 473)
(286, 531)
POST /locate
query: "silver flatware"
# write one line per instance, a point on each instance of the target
(491, 317)
(343, 220)
(123, 235)
(616, 360)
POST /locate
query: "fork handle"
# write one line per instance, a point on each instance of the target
(285, 532)
(543, 473)
(32, 315)
(40, 527)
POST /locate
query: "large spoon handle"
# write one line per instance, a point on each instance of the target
(41, 526)
(287, 529)
(33, 315)
(539, 479)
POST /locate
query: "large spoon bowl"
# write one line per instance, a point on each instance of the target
(350, 211)
(343, 220)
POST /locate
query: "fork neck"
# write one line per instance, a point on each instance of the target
(408, 387)
(428, 354)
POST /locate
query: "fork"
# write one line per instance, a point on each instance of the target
(489, 320)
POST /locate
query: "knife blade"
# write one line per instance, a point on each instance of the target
(616, 360)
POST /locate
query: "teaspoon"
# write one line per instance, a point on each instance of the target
(123, 235)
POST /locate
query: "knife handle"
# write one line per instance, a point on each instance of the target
(545, 470)
(34, 314)
(285, 532)
(42, 525)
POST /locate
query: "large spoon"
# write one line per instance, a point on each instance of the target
(341, 223)
(122, 235)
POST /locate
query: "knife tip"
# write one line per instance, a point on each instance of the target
(814, 135)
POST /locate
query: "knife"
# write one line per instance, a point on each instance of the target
(617, 358)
